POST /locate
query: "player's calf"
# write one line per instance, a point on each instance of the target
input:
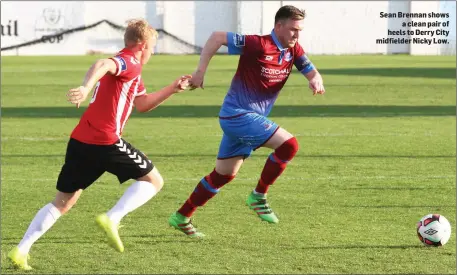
(276, 164)
(206, 189)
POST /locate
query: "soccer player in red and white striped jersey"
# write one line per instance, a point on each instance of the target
(112, 101)
(96, 145)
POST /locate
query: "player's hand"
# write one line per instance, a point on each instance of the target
(317, 86)
(197, 80)
(182, 83)
(77, 95)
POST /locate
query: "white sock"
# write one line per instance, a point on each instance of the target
(135, 196)
(44, 219)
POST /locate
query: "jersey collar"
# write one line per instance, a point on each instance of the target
(129, 52)
(275, 39)
(280, 48)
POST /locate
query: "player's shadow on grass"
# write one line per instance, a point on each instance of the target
(393, 72)
(191, 111)
(157, 238)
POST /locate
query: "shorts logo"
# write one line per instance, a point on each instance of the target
(122, 62)
(238, 40)
(288, 57)
(136, 158)
(267, 126)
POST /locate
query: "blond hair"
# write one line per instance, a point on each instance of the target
(138, 31)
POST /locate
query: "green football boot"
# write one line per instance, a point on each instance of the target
(259, 204)
(184, 224)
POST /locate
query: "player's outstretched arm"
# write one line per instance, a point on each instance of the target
(147, 102)
(93, 75)
(214, 42)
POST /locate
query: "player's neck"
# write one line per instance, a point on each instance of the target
(137, 55)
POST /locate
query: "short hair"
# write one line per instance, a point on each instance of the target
(138, 31)
(289, 12)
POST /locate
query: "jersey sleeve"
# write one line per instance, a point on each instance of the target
(121, 65)
(127, 67)
(239, 44)
(301, 61)
(141, 90)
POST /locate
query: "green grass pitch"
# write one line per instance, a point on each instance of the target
(377, 153)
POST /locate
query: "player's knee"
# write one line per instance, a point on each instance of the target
(155, 178)
(293, 143)
(288, 149)
(219, 180)
(228, 167)
(158, 180)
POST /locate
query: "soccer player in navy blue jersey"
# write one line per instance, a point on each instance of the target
(265, 64)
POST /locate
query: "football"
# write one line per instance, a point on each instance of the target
(434, 230)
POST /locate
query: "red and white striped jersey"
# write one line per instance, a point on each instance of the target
(112, 102)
